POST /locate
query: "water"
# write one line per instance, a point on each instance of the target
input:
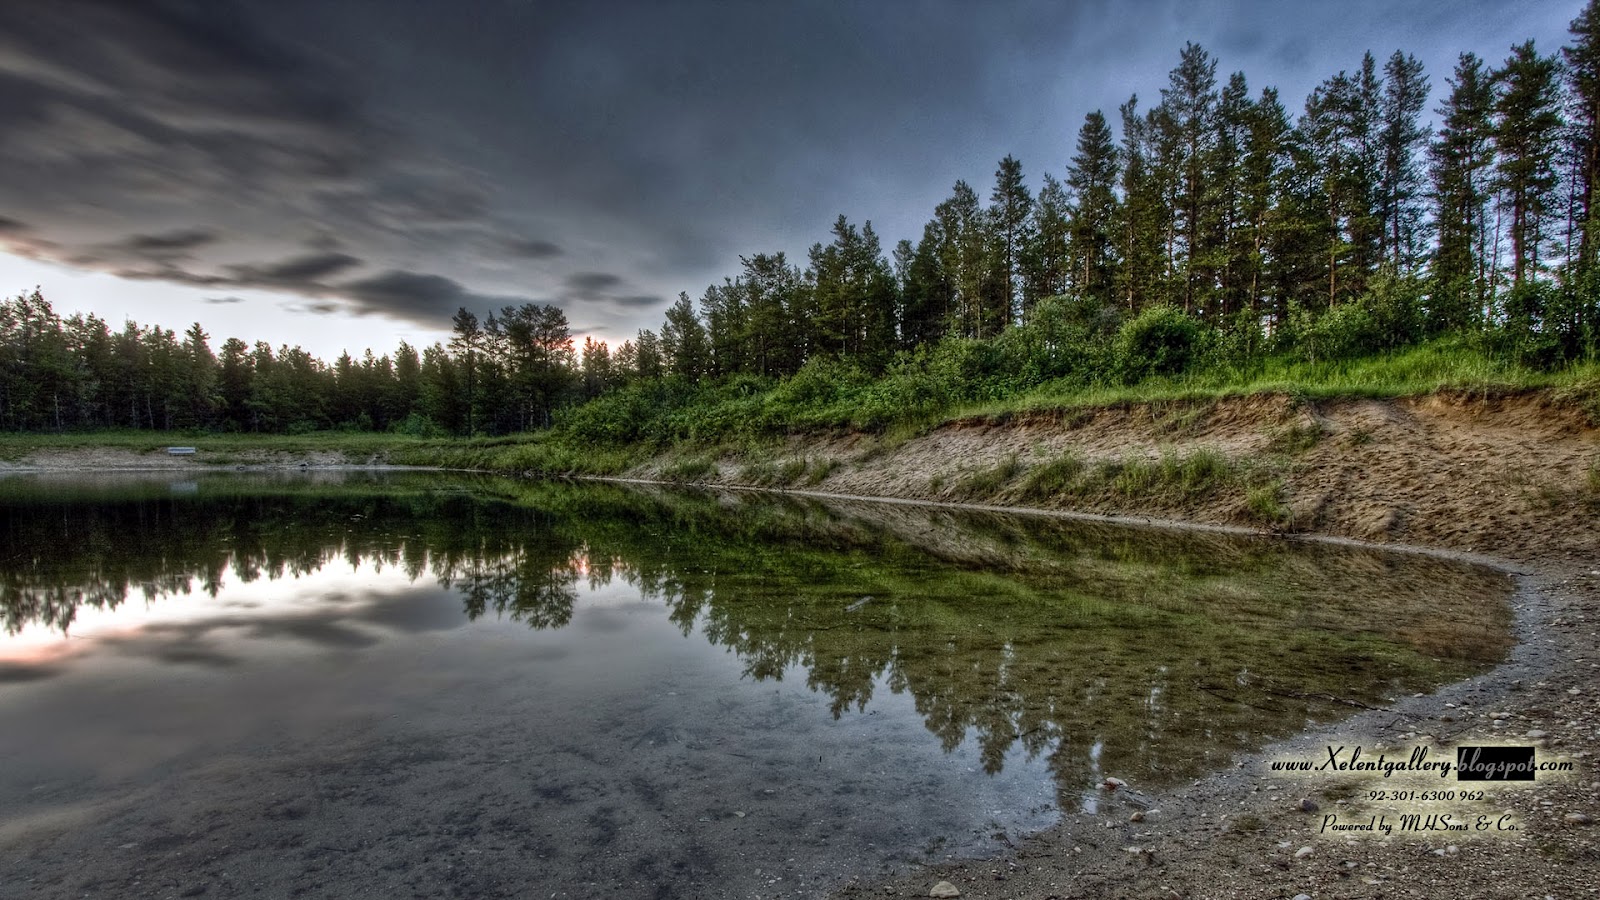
(428, 685)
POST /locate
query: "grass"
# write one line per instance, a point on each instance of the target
(689, 469)
(1264, 503)
(1438, 366)
(807, 472)
(986, 483)
(1053, 478)
(1299, 438)
(1171, 477)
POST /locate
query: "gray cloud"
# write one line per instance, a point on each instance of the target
(224, 300)
(530, 249)
(416, 296)
(647, 144)
(642, 301)
(315, 308)
(182, 240)
(593, 281)
(299, 271)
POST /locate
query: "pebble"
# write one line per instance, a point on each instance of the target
(1535, 733)
(944, 889)
(1112, 784)
(1303, 852)
(1302, 897)
(1578, 819)
(1307, 804)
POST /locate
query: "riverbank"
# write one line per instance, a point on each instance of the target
(1512, 478)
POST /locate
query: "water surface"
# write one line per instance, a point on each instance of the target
(428, 685)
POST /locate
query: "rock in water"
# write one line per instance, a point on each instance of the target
(944, 889)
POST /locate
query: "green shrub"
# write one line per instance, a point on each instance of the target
(1160, 341)
(1342, 332)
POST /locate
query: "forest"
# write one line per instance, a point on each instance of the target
(1212, 234)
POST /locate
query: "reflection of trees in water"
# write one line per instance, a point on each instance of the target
(528, 586)
(1149, 655)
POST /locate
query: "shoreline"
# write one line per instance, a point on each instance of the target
(1172, 849)
(1241, 832)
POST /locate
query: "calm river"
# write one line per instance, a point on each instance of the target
(424, 685)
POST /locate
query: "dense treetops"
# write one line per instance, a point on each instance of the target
(1217, 228)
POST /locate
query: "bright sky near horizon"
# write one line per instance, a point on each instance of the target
(345, 176)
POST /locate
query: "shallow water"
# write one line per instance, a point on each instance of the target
(420, 684)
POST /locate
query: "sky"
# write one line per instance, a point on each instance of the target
(346, 175)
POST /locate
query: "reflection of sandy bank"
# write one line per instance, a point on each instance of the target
(117, 459)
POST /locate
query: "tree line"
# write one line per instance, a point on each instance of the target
(1216, 225)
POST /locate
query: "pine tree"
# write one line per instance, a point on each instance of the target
(1262, 216)
(1226, 237)
(773, 297)
(1460, 165)
(1047, 264)
(683, 342)
(963, 257)
(927, 306)
(1583, 79)
(722, 309)
(1092, 176)
(1144, 224)
(466, 343)
(1190, 101)
(1010, 205)
(1405, 94)
(1527, 126)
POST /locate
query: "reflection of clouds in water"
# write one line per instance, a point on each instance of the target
(1058, 640)
(348, 623)
(322, 609)
(21, 673)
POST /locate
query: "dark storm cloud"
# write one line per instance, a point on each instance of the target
(299, 271)
(11, 226)
(604, 292)
(530, 249)
(162, 250)
(179, 241)
(416, 296)
(593, 282)
(643, 301)
(193, 114)
(650, 143)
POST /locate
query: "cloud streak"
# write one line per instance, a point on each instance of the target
(399, 158)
